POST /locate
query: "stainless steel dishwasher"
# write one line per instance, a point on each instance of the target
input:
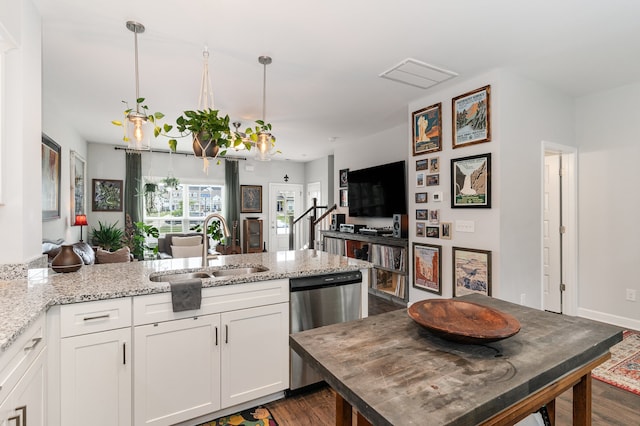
(317, 301)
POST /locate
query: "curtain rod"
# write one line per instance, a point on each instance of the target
(186, 154)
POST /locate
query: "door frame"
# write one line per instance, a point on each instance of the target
(297, 210)
(569, 219)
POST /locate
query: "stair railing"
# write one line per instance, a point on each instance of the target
(301, 236)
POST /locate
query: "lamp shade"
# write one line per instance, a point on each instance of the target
(81, 220)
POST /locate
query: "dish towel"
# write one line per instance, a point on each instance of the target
(186, 295)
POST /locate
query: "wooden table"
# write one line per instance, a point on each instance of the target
(394, 372)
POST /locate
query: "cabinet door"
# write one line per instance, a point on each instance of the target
(27, 400)
(176, 370)
(255, 353)
(95, 379)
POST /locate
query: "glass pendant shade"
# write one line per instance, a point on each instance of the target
(139, 129)
(264, 146)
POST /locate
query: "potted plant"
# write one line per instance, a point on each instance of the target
(209, 130)
(171, 182)
(138, 240)
(109, 237)
(214, 231)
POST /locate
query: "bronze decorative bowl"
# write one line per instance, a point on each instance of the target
(463, 322)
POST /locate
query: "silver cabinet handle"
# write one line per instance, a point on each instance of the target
(96, 317)
(34, 343)
(24, 414)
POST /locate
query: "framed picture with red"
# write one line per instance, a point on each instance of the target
(427, 267)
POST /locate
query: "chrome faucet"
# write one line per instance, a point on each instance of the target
(205, 237)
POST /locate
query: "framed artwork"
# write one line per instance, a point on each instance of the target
(471, 181)
(344, 178)
(433, 232)
(471, 271)
(427, 129)
(434, 165)
(421, 214)
(106, 195)
(421, 197)
(433, 180)
(471, 114)
(344, 198)
(427, 267)
(50, 178)
(445, 230)
(251, 198)
(434, 216)
(421, 164)
(78, 184)
(420, 229)
(420, 179)
(437, 196)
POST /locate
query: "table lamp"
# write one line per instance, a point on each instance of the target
(81, 220)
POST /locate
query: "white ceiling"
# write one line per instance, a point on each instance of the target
(323, 82)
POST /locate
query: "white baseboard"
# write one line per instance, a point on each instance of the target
(610, 319)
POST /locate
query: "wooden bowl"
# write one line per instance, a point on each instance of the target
(463, 322)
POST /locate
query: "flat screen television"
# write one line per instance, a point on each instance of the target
(378, 191)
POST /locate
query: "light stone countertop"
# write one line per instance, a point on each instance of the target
(22, 301)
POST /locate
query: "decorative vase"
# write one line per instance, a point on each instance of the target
(67, 260)
(203, 146)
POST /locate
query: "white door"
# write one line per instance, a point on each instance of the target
(255, 353)
(314, 190)
(285, 202)
(552, 248)
(96, 379)
(177, 374)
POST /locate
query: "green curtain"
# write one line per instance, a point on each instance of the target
(232, 199)
(132, 187)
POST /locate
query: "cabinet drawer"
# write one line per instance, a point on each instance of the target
(157, 307)
(91, 317)
(15, 362)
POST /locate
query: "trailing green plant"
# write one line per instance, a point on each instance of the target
(171, 182)
(214, 231)
(154, 118)
(109, 237)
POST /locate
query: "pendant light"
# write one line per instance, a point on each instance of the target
(265, 139)
(138, 127)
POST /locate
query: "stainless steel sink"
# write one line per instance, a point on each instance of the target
(238, 271)
(180, 276)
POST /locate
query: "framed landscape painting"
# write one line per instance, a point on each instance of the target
(471, 114)
(50, 178)
(106, 195)
(471, 271)
(427, 129)
(427, 267)
(471, 181)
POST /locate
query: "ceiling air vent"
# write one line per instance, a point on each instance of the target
(416, 73)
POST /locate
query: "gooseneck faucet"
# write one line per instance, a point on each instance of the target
(205, 237)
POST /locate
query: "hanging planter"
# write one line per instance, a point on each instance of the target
(205, 146)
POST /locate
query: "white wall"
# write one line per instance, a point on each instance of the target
(381, 148)
(606, 131)
(318, 171)
(530, 114)
(64, 135)
(21, 214)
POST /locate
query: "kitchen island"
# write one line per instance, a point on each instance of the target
(393, 371)
(22, 301)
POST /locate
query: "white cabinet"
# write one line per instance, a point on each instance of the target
(176, 370)
(23, 378)
(255, 353)
(25, 404)
(95, 363)
(188, 367)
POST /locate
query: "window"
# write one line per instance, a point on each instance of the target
(181, 208)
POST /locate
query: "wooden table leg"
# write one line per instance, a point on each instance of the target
(343, 411)
(551, 411)
(582, 401)
(361, 421)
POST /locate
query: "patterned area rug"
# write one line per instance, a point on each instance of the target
(258, 416)
(623, 369)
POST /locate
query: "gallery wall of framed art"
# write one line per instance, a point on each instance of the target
(450, 150)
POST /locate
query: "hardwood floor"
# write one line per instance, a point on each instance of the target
(611, 406)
